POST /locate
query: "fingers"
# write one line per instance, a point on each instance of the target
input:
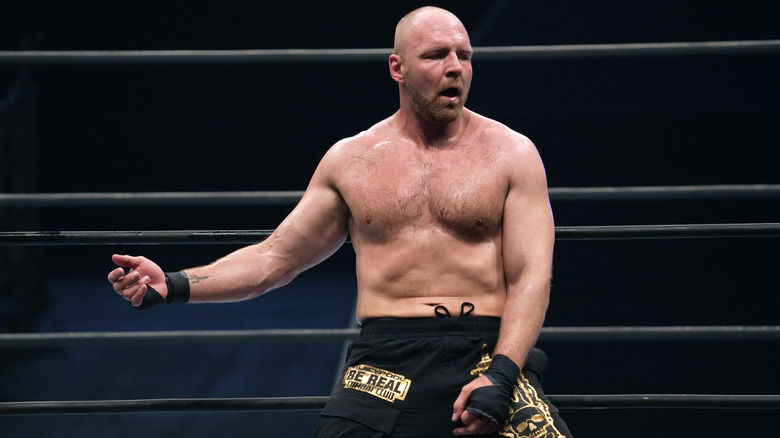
(130, 285)
(475, 424)
(122, 280)
(472, 423)
(135, 294)
(459, 411)
(126, 261)
(116, 275)
(459, 407)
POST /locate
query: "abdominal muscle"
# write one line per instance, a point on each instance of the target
(409, 276)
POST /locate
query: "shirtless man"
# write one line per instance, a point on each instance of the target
(447, 211)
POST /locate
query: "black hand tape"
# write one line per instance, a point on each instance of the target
(492, 401)
(178, 291)
(151, 299)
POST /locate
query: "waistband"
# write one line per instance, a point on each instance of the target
(448, 326)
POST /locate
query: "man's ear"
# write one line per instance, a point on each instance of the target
(396, 69)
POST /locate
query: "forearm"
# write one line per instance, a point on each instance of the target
(522, 318)
(241, 275)
(251, 271)
(313, 231)
(486, 398)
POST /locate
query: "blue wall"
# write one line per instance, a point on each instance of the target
(172, 371)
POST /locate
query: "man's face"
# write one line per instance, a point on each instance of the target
(437, 70)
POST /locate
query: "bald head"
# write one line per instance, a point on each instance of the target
(426, 18)
(431, 62)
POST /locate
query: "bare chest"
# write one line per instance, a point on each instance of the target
(460, 193)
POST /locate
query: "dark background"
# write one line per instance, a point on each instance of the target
(624, 121)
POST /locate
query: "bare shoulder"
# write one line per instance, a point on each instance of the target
(500, 134)
(337, 167)
(516, 150)
(357, 145)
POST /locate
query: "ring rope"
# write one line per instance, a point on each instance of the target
(585, 401)
(679, 231)
(149, 199)
(51, 57)
(691, 192)
(736, 191)
(617, 333)
(181, 237)
(45, 340)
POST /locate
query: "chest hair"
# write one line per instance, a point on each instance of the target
(458, 192)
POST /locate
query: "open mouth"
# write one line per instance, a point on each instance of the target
(451, 93)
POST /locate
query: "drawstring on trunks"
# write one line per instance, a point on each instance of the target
(442, 312)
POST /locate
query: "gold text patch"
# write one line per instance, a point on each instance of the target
(377, 382)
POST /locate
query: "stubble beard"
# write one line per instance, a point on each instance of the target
(435, 109)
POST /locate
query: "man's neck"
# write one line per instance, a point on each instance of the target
(433, 134)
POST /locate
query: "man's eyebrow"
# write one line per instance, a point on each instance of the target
(445, 49)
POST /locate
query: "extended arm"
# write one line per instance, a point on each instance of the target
(313, 231)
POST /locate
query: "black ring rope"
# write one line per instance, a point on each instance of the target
(681, 231)
(149, 199)
(656, 193)
(182, 237)
(585, 401)
(50, 57)
(43, 340)
(165, 237)
(548, 334)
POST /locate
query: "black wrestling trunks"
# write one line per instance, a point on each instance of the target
(402, 376)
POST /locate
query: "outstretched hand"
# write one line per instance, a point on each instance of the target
(134, 275)
(473, 423)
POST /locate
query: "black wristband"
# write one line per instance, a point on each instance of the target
(492, 402)
(502, 371)
(178, 285)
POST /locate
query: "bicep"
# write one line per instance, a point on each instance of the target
(313, 231)
(529, 231)
(315, 228)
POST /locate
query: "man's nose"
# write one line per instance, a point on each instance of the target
(453, 65)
